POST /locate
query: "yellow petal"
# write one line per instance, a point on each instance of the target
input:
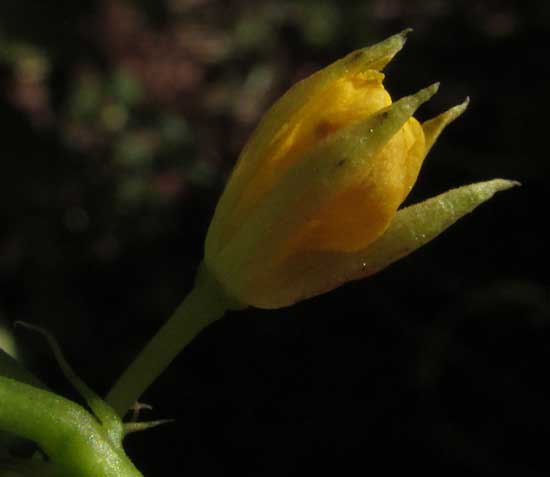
(297, 120)
(359, 214)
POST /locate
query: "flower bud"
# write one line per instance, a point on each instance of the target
(317, 187)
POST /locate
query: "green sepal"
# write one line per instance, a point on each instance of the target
(318, 272)
(418, 224)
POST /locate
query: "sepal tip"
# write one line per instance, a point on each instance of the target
(457, 110)
(425, 94)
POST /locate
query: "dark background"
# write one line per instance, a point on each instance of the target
(120, 122)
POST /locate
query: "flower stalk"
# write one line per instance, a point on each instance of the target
(206, 303)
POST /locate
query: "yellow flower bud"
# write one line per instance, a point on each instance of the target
(319, 183)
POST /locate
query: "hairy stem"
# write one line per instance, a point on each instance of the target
(74, 440)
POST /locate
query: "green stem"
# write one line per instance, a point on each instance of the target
(74, 440)
(206, 303)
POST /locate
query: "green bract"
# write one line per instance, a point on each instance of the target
(77, 442)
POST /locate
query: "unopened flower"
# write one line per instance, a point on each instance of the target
(313, 200)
